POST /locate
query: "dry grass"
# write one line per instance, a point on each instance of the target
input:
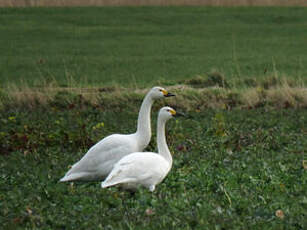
(188, 98)
(22, 3)
(287, 97)
(253, 97)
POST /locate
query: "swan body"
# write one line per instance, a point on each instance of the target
(98, 162)
(144, 168)
(138, 169)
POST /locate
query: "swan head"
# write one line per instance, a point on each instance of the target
(167, 113)
(159, 92)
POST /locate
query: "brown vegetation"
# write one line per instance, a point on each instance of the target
(22, 3)
(188, 98)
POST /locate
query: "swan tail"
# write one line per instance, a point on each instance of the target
(73, 177)
(105, 184)
(108, 183)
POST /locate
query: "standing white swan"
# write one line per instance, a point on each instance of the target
(98, 162)
(144, 168)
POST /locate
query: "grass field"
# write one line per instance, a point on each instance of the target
(16, 3)
(141, 46)
(232, 170)
(71, 76)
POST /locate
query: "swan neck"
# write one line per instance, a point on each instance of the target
(161, 140)
(143, 126)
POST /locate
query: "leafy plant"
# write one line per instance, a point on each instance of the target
(241, 168)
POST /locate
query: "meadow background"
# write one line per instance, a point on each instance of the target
(14, 3)
(70, 76)
(146, 45)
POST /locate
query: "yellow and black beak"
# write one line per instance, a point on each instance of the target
(177, 114)
(173, 112)
(167, 94)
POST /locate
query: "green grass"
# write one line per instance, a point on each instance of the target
(141, 46)
(232, 170)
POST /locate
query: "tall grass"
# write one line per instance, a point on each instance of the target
(14, 3)
(194, 94)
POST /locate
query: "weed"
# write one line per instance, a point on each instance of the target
(239, 168)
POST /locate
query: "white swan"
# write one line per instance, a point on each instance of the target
(98, 162)
(144, 168)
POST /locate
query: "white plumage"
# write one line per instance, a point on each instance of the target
(98, 162)
(144, 168)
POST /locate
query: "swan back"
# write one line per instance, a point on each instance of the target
(138, 168)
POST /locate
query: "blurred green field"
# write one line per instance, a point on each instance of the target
(142, 46)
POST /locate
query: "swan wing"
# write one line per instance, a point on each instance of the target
(139, 168)
(100, 159)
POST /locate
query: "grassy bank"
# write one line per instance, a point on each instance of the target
(199, 93)
(146, 45)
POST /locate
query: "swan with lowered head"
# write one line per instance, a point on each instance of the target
(144, 168)
(98, 162)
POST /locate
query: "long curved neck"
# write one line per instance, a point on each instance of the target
(143, 128)
(161, 139)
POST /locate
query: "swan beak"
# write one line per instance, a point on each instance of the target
(179, 114)
(167, 94)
